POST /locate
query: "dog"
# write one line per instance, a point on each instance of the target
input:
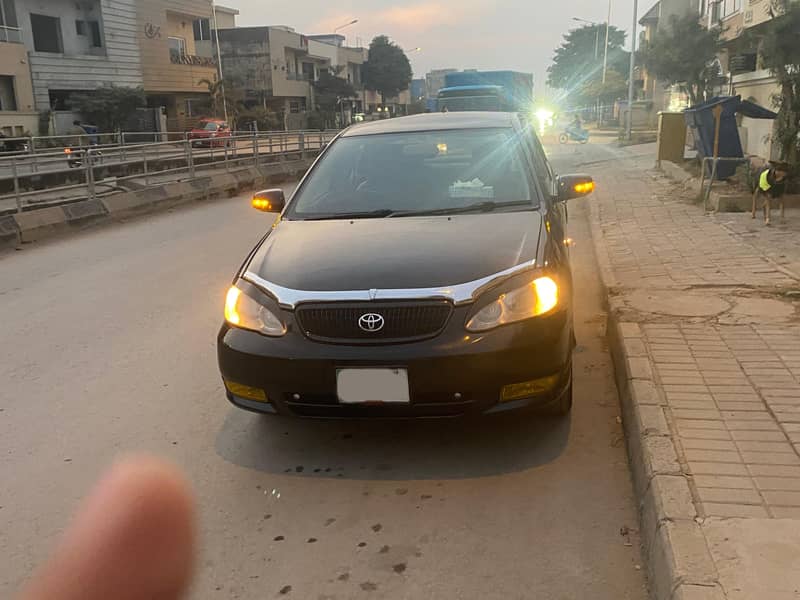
(771, 185)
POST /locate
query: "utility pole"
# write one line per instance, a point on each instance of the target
(629, 124)
(605, 53)
(219, 61)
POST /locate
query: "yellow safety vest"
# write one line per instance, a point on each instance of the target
(763, 182)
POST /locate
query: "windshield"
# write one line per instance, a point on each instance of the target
(208, 126)
(392, 174)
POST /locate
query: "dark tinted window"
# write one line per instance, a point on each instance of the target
(46, 34)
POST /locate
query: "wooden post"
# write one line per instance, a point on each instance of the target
(717, 111)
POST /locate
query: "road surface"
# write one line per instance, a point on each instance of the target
(108, 347)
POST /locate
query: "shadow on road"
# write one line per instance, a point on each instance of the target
(392, 450)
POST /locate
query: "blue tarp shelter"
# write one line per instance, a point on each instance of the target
(700, 119)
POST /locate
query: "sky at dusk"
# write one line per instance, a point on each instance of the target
(481, 34)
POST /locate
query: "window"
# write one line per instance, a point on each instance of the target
(730, 7)
(308, 71)
(80, 27)
(177, 47)
(46, 34)
(437, 170)
(716, 10)
(8, 14)
(97, 39)
(8, 97)
(202, 30)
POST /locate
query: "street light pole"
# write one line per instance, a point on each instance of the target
(629, 124)
(353, 22)
(219, 61)
(605, 51)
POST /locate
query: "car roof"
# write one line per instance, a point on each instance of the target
(435, 122)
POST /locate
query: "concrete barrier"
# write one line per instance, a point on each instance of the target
(51, 221)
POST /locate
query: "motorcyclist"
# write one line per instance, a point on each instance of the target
(576, 127)
(77, 140)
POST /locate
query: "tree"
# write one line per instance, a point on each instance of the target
(684, 53)
(780, 53)
(579, 61)
(330, 92)
(225, 93)
(110, 108)
(615, 87)
(387, 69)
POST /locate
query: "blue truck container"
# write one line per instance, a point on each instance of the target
(508, 91)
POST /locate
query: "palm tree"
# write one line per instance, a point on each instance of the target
(216, 90)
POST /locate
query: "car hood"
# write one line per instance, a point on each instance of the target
(395, 253)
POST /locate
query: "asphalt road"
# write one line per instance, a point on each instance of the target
(107, 347)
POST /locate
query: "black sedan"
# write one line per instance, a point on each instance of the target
(420, 269)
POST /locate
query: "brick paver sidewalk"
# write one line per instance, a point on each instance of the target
(711, 320)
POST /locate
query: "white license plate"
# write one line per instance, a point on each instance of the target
(373, 386)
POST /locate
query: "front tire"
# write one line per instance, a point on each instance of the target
(563, 138)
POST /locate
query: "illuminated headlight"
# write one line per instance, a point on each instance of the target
(244, 312)
(537, 298)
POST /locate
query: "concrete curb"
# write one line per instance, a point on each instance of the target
(679, 563)
(53, 221)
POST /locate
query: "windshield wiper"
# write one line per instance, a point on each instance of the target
(370, 214)
(487, 206)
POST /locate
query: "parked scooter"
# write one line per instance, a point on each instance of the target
(575, 135)
(11, 145)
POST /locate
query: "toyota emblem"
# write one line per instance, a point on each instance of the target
(371, 322)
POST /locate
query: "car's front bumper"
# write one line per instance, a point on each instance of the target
(454, 374)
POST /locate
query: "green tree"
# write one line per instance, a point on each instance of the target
(615, 87)
(228, 89)
(387, 69)
(578, 61)
(780, 53)
(330, 92)
(110, 108)
(684, 53)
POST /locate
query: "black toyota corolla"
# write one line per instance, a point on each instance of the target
(420, 269)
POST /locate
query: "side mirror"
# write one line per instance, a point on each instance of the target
(574, 186)
(270, 201)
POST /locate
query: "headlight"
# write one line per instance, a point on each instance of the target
(537, 298)
(244, 312)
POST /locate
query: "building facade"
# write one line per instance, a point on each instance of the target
(18, 113)
(75, 47)
(663, 96)
(276, 68)
(177, 58)
(741, 63)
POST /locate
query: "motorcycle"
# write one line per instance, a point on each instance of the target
(75, 156)
(575, 135)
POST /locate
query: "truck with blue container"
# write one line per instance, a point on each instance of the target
(494, 91)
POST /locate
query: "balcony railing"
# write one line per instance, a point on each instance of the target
(299, 76)
(192, 59)
(12, 35)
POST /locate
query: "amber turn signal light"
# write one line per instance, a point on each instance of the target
(262, 204)
(584, 188)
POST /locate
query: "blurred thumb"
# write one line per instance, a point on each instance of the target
(132, 539)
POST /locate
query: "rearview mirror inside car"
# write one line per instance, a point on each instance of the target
(574, 186)
(271, 201)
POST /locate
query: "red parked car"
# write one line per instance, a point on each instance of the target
(210, 132)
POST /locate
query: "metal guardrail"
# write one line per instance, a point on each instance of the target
(149, 161)
(46, 143)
